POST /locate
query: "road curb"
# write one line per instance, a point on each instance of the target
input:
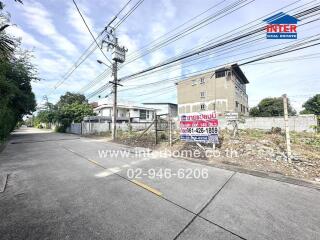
(3, 181)
(272, 176)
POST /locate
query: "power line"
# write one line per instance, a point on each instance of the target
(196, 26)
(128, 13)
(224, 54)
(254, 60)
(229, 7)
(101, 76)
(227, 41)
(203, 50)
(104, 73)
(74, 2)
(123, 8)
(91, 48)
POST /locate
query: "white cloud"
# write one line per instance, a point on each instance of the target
(169, 8)
(27, 38)
(75, 20)
(40, 20)
(158, 29)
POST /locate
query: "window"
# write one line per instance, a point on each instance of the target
(194, 82)
(202, 94)
(143, 114)
(202, 81)
(202, 106)
(237, 104)
(220, 74)
(148, 114)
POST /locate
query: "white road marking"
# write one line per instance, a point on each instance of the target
(103, 174)
(108, 172)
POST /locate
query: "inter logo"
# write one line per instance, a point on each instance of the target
(281, 26)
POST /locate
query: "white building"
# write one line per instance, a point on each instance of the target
(164, 108)
(124, 113)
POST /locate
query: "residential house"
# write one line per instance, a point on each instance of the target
(164, 108)
(125, 113)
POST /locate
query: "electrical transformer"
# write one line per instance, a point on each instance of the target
(119, 54)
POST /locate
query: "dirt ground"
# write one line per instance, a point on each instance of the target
(251, 149)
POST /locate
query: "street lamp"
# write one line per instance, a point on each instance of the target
(101, 62)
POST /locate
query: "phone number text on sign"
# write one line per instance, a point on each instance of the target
(199, 127)
(200, 130)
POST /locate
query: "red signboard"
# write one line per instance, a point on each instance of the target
(200, 123)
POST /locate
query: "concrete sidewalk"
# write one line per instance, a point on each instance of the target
(59, 188)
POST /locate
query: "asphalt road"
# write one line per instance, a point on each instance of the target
(58, 187)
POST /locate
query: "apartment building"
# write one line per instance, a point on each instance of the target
(221, 90)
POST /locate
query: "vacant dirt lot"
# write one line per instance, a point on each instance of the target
(251, 149)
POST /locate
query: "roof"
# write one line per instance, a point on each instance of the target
(281, 18)
(235, 67)
(162, 103)
(123, 106)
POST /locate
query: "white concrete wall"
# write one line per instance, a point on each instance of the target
(89, 128)
(296, 123)
(74, 128)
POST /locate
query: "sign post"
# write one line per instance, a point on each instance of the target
(233, 119)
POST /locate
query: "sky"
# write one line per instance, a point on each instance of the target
(56, 35)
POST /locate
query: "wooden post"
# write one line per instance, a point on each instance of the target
(156, 127)
(170, 131)
(129, 122)
(286, 125)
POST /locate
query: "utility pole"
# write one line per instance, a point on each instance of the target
(115, 93)
(286, 125)
(45, 98)
(118, 56)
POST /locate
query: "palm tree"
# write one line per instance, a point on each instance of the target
(7, 43)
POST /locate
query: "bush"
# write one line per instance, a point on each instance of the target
(60, 129)
(275, 130)
(163, 136)
(7, 122)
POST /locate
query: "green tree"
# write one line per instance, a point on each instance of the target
(16, 75)
(74, 112)
(17, 98)
(46, 116)
(270, 107)
(69, 98)
(71, 107)
(8, 44)
(312, 105)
